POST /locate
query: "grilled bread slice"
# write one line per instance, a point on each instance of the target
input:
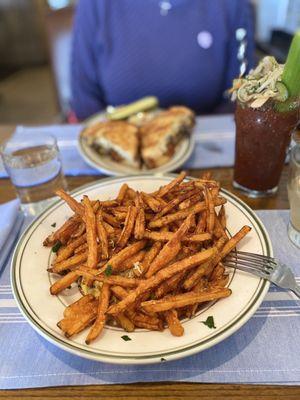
(159, 136)
(118, 139)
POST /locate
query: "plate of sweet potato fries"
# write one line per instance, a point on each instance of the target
(129, 270)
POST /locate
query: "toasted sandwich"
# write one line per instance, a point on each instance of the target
(159, 136)
(117, 139)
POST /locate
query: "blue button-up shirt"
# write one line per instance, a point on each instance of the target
(126, 49)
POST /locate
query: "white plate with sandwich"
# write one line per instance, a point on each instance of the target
(135, 141)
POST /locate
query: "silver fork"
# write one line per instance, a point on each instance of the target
(265, 267)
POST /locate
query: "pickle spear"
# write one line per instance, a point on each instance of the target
(122, 112)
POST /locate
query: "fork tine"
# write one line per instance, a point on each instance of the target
(254, 255)
(255, 263)
(247, 264)
(250, 270)
(264, 262)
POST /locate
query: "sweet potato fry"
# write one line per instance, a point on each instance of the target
(204, 269)
(140, 317)
(70, 262)
(210, 211)
(175, 201)
(135, 317)
(149, 256)
(128, 227)
(110, 219)
(63, 282)
(152, 202)
(122, 193)
(173, 323)
(222, 217)
(78, 305)
(125, 322)
(71, 327)
(130, 261)
(201, 224)
(108, 203)
(102, 235)
(190, 201)
(80, 249)
(215, 191)
(91, 236)
(166, 236)
(121, 209)
(147, 322)
(230, 245)
(95, 206)
(217, 272)
(72, 203)
(70, 248)
(160, 276)
(167, 219)
(78, 321)
(139, 227)
(130, 195)
(220, 282)
(111, 280)
(181, 188)
(185, 299)
(64, 232)
(224, 249)
(218, 228)
(119, 215)
(120, 257)
(149, 326)
(101, 314)
(80, 230)
(169, 285)
(209, 183)
(119, 291)
(199, 287)
(109, 229)
(175, 182)
(170, 249)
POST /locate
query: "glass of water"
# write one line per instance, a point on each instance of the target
(34, 166)
(294, 191)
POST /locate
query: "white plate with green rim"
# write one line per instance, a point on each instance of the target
(31, 281)
(108, 166)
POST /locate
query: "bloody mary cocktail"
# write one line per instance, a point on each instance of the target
(262, 139)
(267, 111)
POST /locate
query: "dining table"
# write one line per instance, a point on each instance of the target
(162, 390)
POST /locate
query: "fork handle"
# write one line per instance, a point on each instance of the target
(296, 290)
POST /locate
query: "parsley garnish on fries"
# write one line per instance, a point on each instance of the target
(209, 322)
(126, 338)
(108, 270)
(56, 247)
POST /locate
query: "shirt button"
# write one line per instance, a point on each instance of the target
(205, 39)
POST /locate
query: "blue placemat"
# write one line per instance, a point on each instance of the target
(214, 147)
(266, 350)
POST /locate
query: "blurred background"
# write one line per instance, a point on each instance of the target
(35, 39)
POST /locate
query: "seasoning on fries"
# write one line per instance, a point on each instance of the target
(143, 260)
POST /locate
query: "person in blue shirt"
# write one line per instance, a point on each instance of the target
(182, 51)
